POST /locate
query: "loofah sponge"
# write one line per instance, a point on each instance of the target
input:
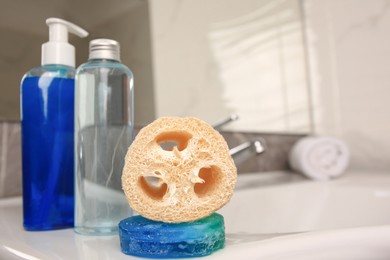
(178, 170)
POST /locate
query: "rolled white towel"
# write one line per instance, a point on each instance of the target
(319, 158)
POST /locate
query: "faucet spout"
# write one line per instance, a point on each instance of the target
(217, 126)
(257, 145)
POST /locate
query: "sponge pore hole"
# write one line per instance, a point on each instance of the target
(211, 176)
(152, 187)
(169, 140)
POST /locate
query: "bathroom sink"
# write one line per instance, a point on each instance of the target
(289, 203)
(277, 215)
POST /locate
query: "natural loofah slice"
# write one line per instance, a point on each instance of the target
(178, 170)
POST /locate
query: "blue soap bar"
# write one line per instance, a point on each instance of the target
(143, 237)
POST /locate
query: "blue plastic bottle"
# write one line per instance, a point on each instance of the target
(47, 121)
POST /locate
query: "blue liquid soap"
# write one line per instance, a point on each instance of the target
(143, 237)
(47, 111)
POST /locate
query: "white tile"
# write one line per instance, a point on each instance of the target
(349, 46)
(245, 58)
(3, 156)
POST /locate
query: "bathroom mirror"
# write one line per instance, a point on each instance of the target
(208, 59)
(215, 58)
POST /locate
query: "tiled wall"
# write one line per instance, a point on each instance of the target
(348, 42)
(349, 50)
(274, 158)
(10, 159)
(246, 58)
(23, 34)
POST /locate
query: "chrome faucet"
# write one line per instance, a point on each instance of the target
(217, 126)
(258, 146)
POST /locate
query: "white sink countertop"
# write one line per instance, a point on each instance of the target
(276, 215)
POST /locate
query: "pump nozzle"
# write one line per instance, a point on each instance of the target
(57, 50)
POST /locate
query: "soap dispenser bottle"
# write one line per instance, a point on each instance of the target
(47, 125)
(104, 122)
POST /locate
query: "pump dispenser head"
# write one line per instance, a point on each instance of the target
(57, 50)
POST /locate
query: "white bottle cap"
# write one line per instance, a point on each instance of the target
(57, 50)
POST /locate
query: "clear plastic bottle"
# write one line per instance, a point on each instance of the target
(103, 132)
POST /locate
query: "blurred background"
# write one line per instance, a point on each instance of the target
(190, 58)
(284, 66)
